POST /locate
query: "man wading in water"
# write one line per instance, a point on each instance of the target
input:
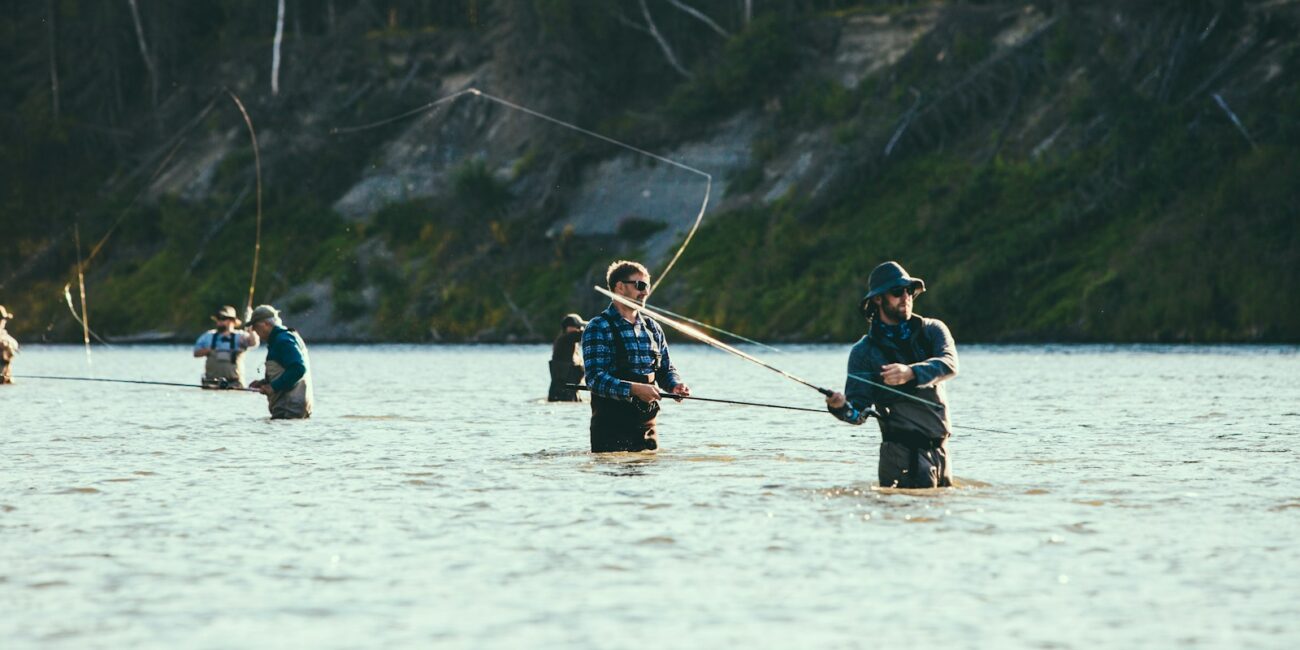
(910, 354)
(224, 346)
(8, 348)
(288, 377)
(626, 359)
(566, 366)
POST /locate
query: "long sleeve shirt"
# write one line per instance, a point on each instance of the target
(232, 341)
(876, 349)
(644, 350)
(285, 348)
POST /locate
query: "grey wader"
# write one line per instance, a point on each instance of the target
(914, 447)
(224, 368)
(8, 348)
(294, 403)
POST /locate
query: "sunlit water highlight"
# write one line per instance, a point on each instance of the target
(1145, 497)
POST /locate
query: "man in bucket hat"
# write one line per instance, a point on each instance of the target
(224, 346)
(8, 348)
(895, 372)
(566, 363)
(287, 385)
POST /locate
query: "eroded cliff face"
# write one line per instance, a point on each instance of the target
(978, 141)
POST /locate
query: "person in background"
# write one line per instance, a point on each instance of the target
(626, 359)
(287, 384)
(8, 348)
(224, 346)
(566, 362)
(909, 354)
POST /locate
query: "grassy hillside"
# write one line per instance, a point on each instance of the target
(1120, 172)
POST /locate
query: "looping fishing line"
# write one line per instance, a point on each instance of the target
(708, 187)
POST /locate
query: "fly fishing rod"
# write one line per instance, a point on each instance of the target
(136, 381)
(718, 401)
(705, 338)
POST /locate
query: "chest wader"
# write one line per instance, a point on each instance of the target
(563, 372)
(224, 368)
(914, 437)
(294, 403)
(624, 426)
(7, 346)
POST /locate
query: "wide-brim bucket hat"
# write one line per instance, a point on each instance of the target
(890, 275)
(226, 311)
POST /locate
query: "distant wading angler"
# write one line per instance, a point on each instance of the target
(287, 385)
(626, 359)
(224, 347)
(566, 365)
(913, 355)
(8, 348)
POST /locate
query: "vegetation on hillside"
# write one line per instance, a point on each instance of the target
(1123, 172)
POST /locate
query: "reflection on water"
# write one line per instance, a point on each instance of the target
(1133, 496)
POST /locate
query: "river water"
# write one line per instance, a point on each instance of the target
(1138, 497)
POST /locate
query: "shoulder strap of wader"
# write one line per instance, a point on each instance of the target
(213, 344)
(620, 346)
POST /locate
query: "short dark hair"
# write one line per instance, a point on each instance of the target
(622, 270)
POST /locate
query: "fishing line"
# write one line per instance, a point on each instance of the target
(67, 296)
(708, 187)
(661, 310)
(133, 381)
(895, 391)
(925, 402)
(81, 319)
(718, 401)
(257, 166)
(705, 338)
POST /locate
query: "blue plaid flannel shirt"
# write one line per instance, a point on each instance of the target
(642, 338)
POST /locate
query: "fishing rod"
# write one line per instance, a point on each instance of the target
(256, 157)
(661, 310)
(705, 338)
(136, 381)
(719, 401)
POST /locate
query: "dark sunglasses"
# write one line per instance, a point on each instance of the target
(898, 292)
(641, 285)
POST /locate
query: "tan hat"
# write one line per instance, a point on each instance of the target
(4, 313)
(263, 312)
(227, 311)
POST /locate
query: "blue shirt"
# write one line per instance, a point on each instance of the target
(645, 353)
(286, 349)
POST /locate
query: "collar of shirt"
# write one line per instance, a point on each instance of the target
(614, 313)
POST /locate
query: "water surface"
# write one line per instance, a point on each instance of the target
(1139, 496)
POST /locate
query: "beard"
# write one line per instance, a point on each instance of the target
(896, 313)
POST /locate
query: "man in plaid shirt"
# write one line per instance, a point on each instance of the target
(626, 360)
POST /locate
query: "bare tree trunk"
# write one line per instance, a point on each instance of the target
(663, 44)
(698, 15)
(54, 59)
(275, 53)
(144, 53)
